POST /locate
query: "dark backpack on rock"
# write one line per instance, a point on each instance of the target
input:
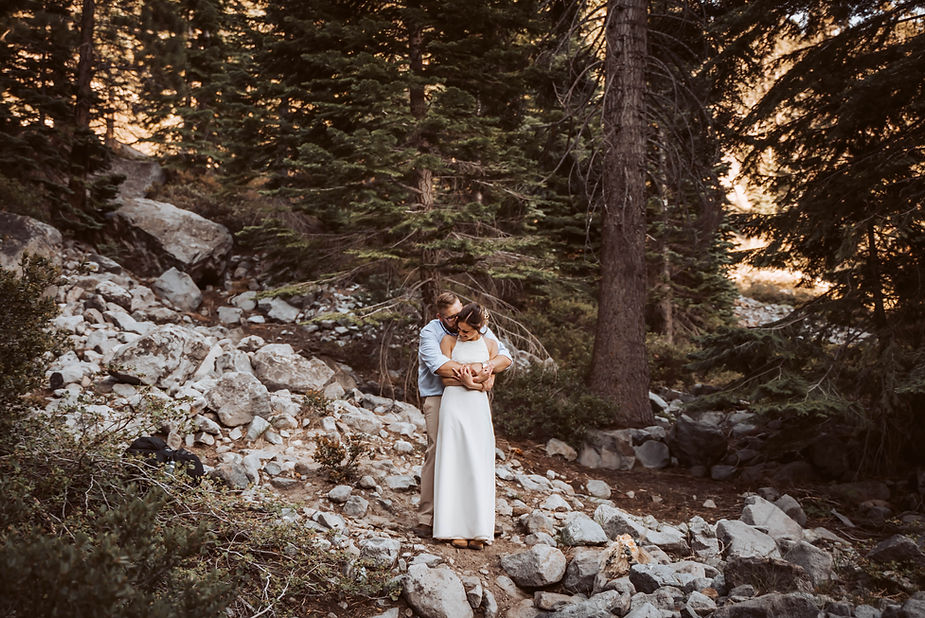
(155, 451)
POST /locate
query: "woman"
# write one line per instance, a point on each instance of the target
(464, 477)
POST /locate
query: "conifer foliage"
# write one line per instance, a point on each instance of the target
(837, 141)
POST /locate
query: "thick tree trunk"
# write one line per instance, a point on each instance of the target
(620, 370)
(423, 181)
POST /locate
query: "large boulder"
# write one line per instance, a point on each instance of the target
(739, 539)
(280, 367)
(165, 357)
(435, 593)
(141, 172)
(237, 398)
(19, 235)
(762, 514)
(160, 235)
(539, 566)
(696, 442)
(764, 572)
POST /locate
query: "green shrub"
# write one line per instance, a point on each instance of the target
(338, 459)
(539, 404)
(668, 362)
(25, 336)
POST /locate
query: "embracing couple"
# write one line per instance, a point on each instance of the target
(458, 356)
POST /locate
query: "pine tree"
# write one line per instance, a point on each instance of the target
(837, 141)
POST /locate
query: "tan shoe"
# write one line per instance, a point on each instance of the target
(459, 543)
(476, 544)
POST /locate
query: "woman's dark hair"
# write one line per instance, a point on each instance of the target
(475, 315)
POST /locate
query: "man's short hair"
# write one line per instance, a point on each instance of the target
(445, 300)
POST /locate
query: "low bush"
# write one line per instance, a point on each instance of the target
(540, 404)
(26, 337)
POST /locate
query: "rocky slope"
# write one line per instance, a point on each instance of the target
(566, 546)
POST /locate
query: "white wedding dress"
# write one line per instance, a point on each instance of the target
(464, 475)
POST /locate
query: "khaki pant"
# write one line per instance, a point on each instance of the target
(431, 409)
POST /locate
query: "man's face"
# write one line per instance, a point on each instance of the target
(448, 316)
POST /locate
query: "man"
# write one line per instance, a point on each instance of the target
(432, 366)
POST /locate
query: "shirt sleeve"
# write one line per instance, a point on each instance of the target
(429, 352)
(502, 349)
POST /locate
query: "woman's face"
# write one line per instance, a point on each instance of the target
(467, 332)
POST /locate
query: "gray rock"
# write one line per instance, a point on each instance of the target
(702, 538)
(817, 563)
(331, 521)
(489, 604)
(473, 587)
(653, 454)
(435, 593)
(382, 551)
(540, 538)
(700, 604)
(284, 482)
(608, 449)
(166, 357)
(556, 503)
(615, 522)
(279, 310)
(579, 529)
(646, 610)
(557, 447)
(648, 578)
(696, 442)
(897, 548)
(340, 494)
(257, 427)
(762, 514)
(158, 235)
(763, 572)
(207, 425)
(740, 539)
(114, 293)
(581, 570)
(668, 538)
(22, 235)
(774, 605)
(246, 301)
(279, 367)
(537, 521)
(400, 482)
(549, 601)
(178, 288)
(598, 489)
(603, 605)
(230, 315)
(791, 507)
(534, 482)
(722, 472)
(536, 567)
(237, 398)
(524, 609)
(356, 507)
(234, 475)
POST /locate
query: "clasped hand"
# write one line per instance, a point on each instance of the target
(473, 375)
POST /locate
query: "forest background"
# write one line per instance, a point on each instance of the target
(416, 145)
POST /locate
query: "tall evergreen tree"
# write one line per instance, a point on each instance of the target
(620, 368)
(837, 141)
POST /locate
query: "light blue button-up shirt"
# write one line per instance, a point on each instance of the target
(430, 358)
